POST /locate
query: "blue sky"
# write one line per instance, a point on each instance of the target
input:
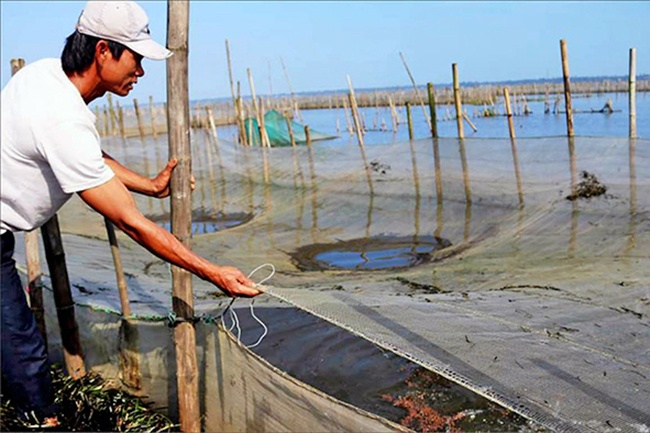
(322, 42)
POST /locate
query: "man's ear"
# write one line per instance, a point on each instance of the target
(102, 50)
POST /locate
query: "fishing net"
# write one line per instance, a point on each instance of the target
(522, 275)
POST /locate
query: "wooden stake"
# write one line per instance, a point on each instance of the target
(178, 121)
(417, 91)
(120, 116)
(55, 256)
(152, 111)
(260, 121)
(409, 120)
(567, 88)
(290, 129)
(511, 126)
(119, 271)
(469, 122)
(513, 146)
(632, 90)
(355, 112)
(432, 109)
(138, 115)
(112, 113)
(293, 95)
(457, 103)
(307, 135)
(393, 114)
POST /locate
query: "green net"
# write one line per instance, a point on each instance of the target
(277, 128)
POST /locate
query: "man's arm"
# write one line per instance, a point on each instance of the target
(114, 201)
(156, 187)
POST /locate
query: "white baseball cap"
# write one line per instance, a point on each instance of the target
(124, 22)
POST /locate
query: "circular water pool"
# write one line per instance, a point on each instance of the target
(383, 252)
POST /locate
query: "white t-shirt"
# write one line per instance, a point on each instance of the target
(50, 146)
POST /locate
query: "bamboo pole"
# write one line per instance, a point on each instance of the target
(347, 117)
(232, 86)
(32, 256)
(457, 102)
(513, 146)
(264, 141)
(409, 120)
(138, 116)
(55, 256)
(567, 88)
(243, 139)
(178, 122)
(112, 113)
(511, 126)
(152, 112)
(632, 90)
(119, 270)
(432, 110)
(120, 117)
(293, 95)
(213, 127)
(417, 91)
(355, 112)
(393, 114)
(307, 135)
(290, 129)
(469, 122)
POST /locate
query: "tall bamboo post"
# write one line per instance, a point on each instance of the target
(138, 116)
(55, 256)
(243, 139)
(457, 102)
(417, 91)
(307, 135)
(232, 86)
(32, 256)
(152, 112)
(632, 90)
(432, 109)
(119, 270)
(178, 121)
(256, 108)
(567, 88)
(409, 120)
(120, 118)
(511, 126)
(293, 95)
(112, 113)
(393, 114)
(290, 129)
(513, 146)
(355, 112)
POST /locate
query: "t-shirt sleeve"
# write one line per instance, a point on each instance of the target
(73, 151)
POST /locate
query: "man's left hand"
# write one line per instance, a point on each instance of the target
(162, 181)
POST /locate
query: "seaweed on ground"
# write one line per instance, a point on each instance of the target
(590, 186)
(91, 404)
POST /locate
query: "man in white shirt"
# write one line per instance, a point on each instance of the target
(51, 150)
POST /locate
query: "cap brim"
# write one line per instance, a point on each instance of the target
(149, 49)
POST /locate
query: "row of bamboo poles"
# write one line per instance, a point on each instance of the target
(113, 119)
(178, 119)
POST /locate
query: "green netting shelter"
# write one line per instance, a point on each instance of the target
(277, 129)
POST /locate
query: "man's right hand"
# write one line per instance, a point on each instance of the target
(233, 282)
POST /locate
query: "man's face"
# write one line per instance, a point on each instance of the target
(119, 76)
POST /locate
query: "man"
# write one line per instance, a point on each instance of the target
(51, 150)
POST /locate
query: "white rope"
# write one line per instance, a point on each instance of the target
(235, 319)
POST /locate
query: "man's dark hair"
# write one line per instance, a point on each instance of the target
(79, 52)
